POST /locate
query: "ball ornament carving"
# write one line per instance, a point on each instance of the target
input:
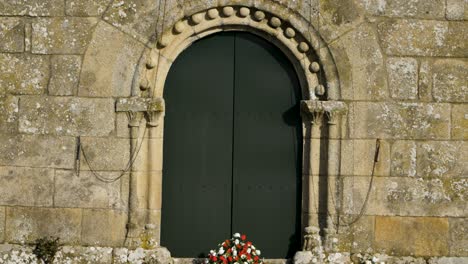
(289, 33)
(197, 18)
(244, 11)
(213, 13)
(275, 22)
(303, 47)
(228, 11)
(259, 15)
(314, 67)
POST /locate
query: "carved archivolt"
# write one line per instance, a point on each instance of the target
(306, 50)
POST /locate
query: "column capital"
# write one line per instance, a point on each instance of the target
(316, 109)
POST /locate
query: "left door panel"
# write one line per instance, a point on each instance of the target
(197, 167)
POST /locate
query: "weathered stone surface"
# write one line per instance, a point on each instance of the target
(460, 121)
(37, 151)
(403, 77)
(8, 114)
(26, 224)
(357, 157)
(24, 74)
(65, 74)
(448, 260)
(11, 34)
(450, 80)
(403, 158)
(104, 227)
(434, 9)
(303, 257)
(143, 18)
(407, 196)
(412, 236)
(105, 154)
(86, 7)
(424, 38)
(61, 35)
(66, 116)
(2, 223)
(458, 236)
(442, 159)
(400, 120)
(87, 190)
(26, 186)
(457, 10)
(425, 81)
(109, 64)
(31, 8)
(360, 66)
(158, 255)
(79, 255)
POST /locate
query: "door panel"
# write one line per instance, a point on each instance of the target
(266, 146)
(198, 148)
(232, 147)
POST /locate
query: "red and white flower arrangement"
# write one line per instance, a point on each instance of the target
(236, 250)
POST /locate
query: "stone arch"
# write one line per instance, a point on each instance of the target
(307, 52)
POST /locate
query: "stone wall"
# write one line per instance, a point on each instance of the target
(402, 67)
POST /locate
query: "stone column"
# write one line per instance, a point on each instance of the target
(144, 184)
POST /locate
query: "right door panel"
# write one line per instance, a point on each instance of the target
(266, 147)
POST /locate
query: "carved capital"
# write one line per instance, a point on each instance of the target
(315, 110)
(152, 108)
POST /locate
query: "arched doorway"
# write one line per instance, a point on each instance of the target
(232, 147)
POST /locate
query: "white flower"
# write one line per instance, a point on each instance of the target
(243, 256)
(236, 241)
(252, 246)
(234, 252)
(236, 262)
(258, 252)
(246, 263)
(249, 250)
(236, 235)
(212, 252)
(221, 251)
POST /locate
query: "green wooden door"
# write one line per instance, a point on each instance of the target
(232, 148)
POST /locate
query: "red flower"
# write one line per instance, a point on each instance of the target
(215, 258)
(243, 237)
(230, 259)
(256, 258)
(249, 244)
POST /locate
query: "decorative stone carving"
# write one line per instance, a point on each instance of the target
(197, 18)
(303, 47)
(259, 15)
(213, 13)
(275, 22)
(289, 32)
(179, 27)
(314, 67)
(244, 12)
(228, 11)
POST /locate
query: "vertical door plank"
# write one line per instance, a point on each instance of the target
(197, 168)
(267, 147)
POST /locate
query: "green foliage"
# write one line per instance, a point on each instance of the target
(46, 248)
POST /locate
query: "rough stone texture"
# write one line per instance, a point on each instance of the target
(400, 120)
(357, 158)
(442, 159)
(303, 257)
(447, 260)
(459, 121)
(8, 114)
(423, 38)
(104, 227)
(406, 196)
(87, 190)
(78, 255)
(37, 151)
(11, 34)
(26, 186)
(159, 255)
(65, 74)
(361, 66)
(404, 158)
(425, 81)
(109, 67)
(26, 224)
(31, 8)
(434, 9)
(403, 78)
(61, 35)
(408, 235)
(105, 154)
(450, 80)
(457, 10)
(86, 7)
(458, 236)
(23, 74)
(66, 116)
(136, 17)
(2, 223)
